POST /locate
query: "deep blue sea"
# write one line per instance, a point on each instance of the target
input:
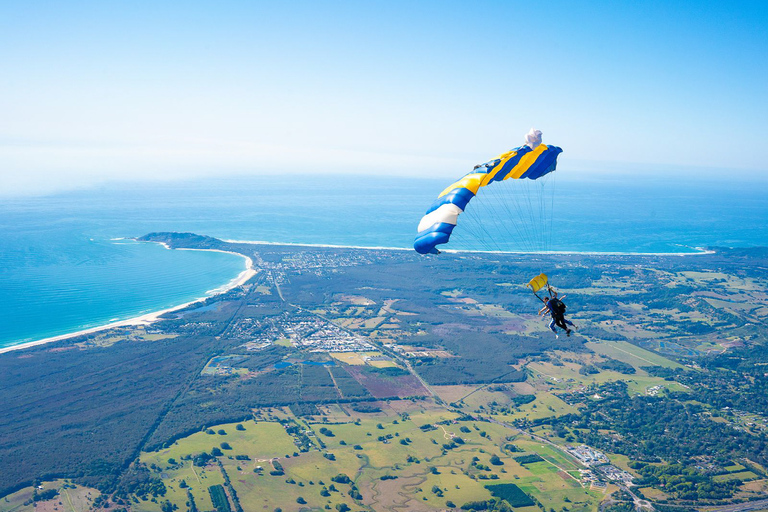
(61, 269)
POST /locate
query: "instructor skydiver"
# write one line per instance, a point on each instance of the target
(556, 308)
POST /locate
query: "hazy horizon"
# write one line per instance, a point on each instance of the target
(96, 93)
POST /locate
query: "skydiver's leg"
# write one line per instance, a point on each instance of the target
(563, 324)
(552, 326)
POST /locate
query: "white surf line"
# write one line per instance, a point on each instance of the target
(322, 246)
(698, 250)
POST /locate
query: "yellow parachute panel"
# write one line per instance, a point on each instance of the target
(538, 282)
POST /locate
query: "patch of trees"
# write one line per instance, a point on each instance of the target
(519, 400)
(686, 483)
(510, 493)
(617, 366)
(392, 371)
(588, 369)
(304, 409)
(278, 468)
(45, 495)
(528, 459)
(191, 505)
(219, 498)
(366, 407)
(657, 429)
(495, 505)
(202, 459)
(735, 379)
(464, 371)
(263, 359)
(348, 386)
(138, 481)
(232, 399)
(98, 403)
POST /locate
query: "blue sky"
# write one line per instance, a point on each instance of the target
(102, 91)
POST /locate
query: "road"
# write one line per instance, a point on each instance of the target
(739, 507)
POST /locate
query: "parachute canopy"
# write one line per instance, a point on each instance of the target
(531, 161)
(538, 282)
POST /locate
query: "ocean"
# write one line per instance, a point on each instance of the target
(62, 267)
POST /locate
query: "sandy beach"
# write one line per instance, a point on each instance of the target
(148, 318)
(697, 250)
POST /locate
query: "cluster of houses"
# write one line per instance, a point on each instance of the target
(599, 462)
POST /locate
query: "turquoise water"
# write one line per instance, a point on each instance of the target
(61, 271)
(68, 285)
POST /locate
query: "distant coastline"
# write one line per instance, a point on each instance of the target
(697, 250)
(245, 275)
(148, 318)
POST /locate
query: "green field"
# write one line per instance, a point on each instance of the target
(422, 466)
(630, 354)
(70, 498)
(741, 475)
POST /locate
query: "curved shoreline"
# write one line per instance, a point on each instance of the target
(148, 318)
(245, 275)
(698, 250)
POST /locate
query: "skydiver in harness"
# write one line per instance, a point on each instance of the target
(556, 308)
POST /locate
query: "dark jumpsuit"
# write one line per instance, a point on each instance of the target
(558, 320)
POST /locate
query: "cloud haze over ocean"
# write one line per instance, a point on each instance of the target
(96, 91)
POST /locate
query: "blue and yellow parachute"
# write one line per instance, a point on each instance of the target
(531, 161)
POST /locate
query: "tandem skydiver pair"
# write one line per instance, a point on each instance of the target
(531, 161)
(552, 305)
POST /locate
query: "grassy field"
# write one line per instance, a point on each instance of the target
(630, 354)
(71, 498)
(546, 405)
(404, 457)
(354, 358)
(742, 475)
(569, 377)
(20, 501)
(412, 447)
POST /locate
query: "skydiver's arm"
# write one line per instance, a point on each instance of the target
(543, 310)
